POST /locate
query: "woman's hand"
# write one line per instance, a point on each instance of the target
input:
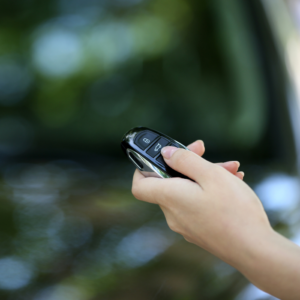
(221, 214)
(217, 212)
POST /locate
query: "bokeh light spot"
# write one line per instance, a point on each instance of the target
(279, 192)
(57, 52)
(151, 35)
(61, 292)
(14, 273)
(110, 43)
(142, 245)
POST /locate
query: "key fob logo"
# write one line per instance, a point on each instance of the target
(157, 147)
(147, 141)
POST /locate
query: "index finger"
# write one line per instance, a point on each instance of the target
(161, 191)
(197, 147)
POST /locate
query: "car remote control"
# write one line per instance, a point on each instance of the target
(143, 145)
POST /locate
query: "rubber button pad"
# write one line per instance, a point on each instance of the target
(157, 146)
(145, 139)
(160, 159)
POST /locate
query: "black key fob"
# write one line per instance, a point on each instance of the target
(143, 145)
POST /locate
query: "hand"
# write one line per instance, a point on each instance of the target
(221, 214)
(218, 212)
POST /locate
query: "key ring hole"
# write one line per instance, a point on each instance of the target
(135, 161)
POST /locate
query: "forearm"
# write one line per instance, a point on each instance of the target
(274, 266)
(220, 213)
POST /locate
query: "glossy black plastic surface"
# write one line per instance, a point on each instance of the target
(148, 143)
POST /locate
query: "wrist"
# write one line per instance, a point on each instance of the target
(259, 248)
(272, 265)
(251, 249)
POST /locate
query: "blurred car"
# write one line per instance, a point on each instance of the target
(75, 76)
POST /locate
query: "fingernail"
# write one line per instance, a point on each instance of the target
(242, 173)
(167, 152)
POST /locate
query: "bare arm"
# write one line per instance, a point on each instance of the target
(221, 214)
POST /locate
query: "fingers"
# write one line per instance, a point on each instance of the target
(156, 190)
(231, 166)
(197, 147)
(143, 188)
(161, 191)
(188, 163)
(240, 175)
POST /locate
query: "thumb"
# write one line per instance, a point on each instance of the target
(188, 163)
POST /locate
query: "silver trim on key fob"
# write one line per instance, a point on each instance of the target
(148, 169)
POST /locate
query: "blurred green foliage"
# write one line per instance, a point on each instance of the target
(186, 67)
(74, 77)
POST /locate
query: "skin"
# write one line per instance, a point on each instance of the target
(221, 214)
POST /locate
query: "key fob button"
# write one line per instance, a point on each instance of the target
(160, 159)
(157, 146)
(145, 139)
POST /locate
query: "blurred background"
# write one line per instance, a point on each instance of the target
(75, 76)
